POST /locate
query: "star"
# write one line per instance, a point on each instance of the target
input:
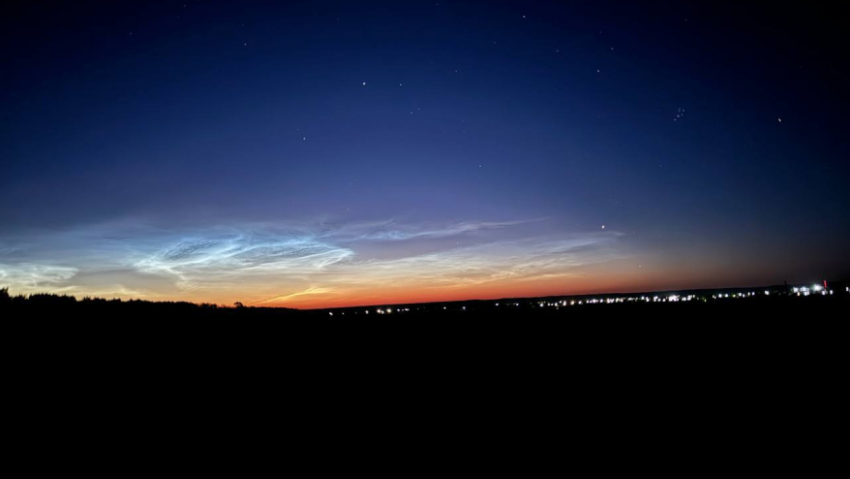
(603, 227)
(780, 120)
(364, 83)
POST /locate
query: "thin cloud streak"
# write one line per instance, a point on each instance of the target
(309, 291)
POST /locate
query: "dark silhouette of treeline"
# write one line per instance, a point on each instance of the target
(65, 305)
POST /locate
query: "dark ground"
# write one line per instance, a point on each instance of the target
(46, 307)
(779, 323)
(695, 385)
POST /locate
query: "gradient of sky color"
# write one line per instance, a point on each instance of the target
(311, 154)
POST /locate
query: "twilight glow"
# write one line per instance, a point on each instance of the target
(312, 154)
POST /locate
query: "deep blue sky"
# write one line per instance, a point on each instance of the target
(187, 135)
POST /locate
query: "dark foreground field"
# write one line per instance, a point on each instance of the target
(766, 364)
(617, 307)
(589, 330)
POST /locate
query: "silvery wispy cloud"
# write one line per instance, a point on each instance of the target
(279, 263)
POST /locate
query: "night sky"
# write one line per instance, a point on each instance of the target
(311, 154)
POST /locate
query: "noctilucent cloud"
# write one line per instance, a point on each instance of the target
(312, 154)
